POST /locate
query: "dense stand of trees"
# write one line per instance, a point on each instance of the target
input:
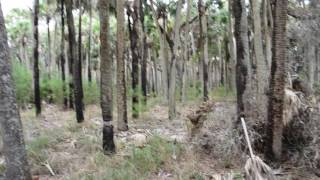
(171, 49)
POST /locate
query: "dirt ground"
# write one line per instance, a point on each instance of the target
(59, 148)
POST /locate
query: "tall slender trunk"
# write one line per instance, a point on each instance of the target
(144, 54)
(36, 74)
(267, 25)
(89, 43)
(62, 56)
(76, 63)
(278, 80)
(11, 128)
(48, 63)
(175, 55)
(134, 41)
(232, 51)
(80, 52)
(121, 77)
(202, 41)
(261, 62)
(243, 60)
(106, 79)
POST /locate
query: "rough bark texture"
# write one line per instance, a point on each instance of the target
(277, 82)
(261, 62)
(232, 51)
(144, 53)
(121, 78)
(175, 47)
(202, 42)
(79, 65)
(106, 79)
(89, 43)
(11, 127)
(242, 64)
(36, 74)
(76, 63)
(134, 42)
(62, 56)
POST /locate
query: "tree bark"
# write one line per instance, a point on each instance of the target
(278, 80)
(232, 51)
(243, 60)
(106, 79)
(175, 55)
(134, 41)
(80, 88)
(36, 74)
(202, 26)
(144, 52)
(89, 43)
(121, 78)
(11, 128)
(48, 63)
(76, 63)
(62, 56)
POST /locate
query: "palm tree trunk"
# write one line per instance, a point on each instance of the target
(89, 43)
(134, 41)
(278, 80)
(243, 74)
(121, 78)
(76, 63)
(36, 81)
(11, 128)
(62, 56)
(106, 79)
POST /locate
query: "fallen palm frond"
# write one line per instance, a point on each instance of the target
(255, 168)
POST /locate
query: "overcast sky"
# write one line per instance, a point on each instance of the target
(8, 5)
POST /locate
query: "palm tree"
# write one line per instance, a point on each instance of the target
(11, 127)
(106, 78)
(37, 98)
(278, 80)
(121, 78)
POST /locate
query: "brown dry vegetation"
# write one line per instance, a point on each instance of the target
(74, 151)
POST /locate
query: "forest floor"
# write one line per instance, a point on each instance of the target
(153, 148)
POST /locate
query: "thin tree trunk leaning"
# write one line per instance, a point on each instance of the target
(243, 60)
(62, 56)
(202, 26)
(106, 79)
(11, 128)
(121, 78)
(36, 74)
(76, 63)
(134, 42)
(278, 80)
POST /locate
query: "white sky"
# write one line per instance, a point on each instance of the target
(8, 5)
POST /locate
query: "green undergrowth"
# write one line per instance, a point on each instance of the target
(221, 93)
(50, 87)
(140, 163)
